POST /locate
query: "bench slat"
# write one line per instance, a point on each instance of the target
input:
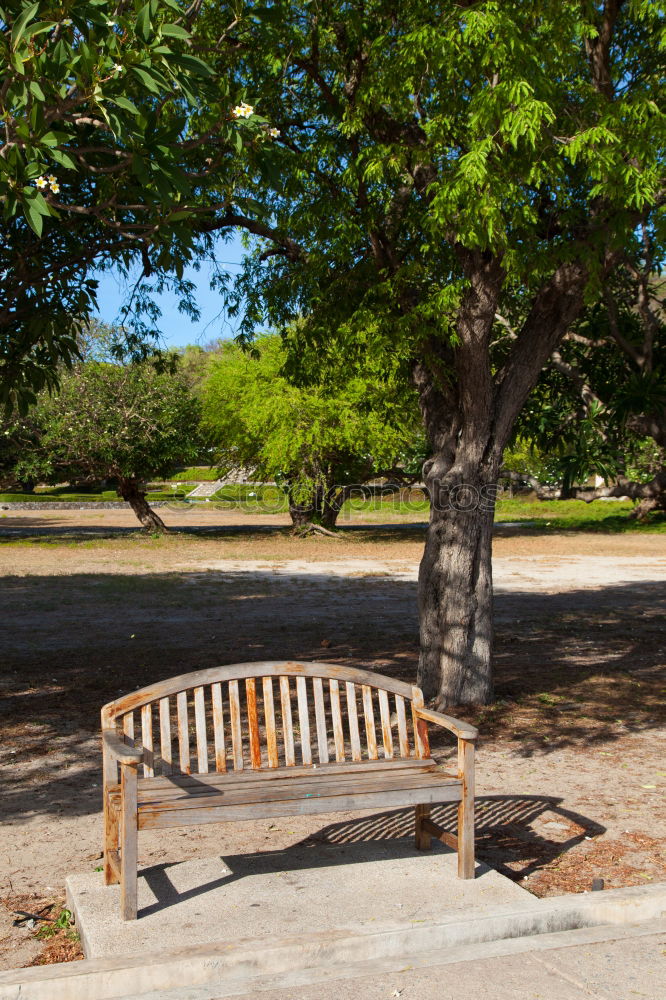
(369, 714)
(147, 741)
(291, 787)
(239, 671)
(320, 716)
(173, 785)
(304, 720)
(403, 739)
(421, 741)
(387, 733)
(165, 737)
(200, 724)
(218, 727)
(346, 797)
(336, 714)
(236, 733)
(253, 722)
(352, 715)
(128, 728)
(287, 724)
(183, 733)
(269, 715)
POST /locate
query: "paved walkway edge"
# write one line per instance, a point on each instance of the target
(230, 968)
(584, 937)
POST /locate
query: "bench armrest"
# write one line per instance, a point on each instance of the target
(462, 730)
(123, 753)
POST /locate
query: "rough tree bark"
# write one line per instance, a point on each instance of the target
(132, 493)
(469, 412)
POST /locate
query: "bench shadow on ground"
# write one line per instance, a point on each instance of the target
(390, 836)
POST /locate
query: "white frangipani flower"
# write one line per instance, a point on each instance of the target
(41, 182)
(242, 110)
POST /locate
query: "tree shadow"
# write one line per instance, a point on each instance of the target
(568, 666)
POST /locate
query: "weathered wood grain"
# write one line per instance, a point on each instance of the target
(239, 671)
(421, 741)
(352, 718)
(236, 731)
(200, 726)
(166, 752)
(466, 809)
(269, 715)
(147, 741)
(218, 727)
(129, 841)
(320, 717)
(304, 720)
(253, 722)
(403, 739)
(183, 732)
(387, 733)
(287, 723)
(369, 716)
(336, 716)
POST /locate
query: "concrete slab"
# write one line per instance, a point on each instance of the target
(251, 967)
(358, 887)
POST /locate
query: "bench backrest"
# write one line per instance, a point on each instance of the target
(269, 714)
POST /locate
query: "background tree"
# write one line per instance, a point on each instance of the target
(434, 167)
(600, 406)
(126, 423)
(318, 441)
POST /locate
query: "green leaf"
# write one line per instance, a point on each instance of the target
(53, 138)
(38, 27)
(124, 102)
(145, 79)
(143, 25)
(64, 159)
(37, 200)
(34, 219)
(36, 90)
(174, 31)
(195, 66)
(21, 22)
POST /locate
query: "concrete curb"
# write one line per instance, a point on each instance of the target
(376, 968)
(231, 967)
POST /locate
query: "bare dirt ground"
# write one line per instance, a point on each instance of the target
(571, 766)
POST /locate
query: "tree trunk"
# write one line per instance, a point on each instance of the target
(301, 514)
(332, 502)
(131, 492)
(456, 590)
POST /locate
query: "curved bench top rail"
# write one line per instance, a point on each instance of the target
(240, 671)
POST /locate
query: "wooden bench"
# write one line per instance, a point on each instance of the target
(253, 726)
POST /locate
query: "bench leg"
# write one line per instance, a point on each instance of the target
(466, 810)
(111, 838)
(128, 841)
(422, 838)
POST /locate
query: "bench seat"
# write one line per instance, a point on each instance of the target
(214, 798)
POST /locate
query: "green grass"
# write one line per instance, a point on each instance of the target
(195, 473)
(574, 515)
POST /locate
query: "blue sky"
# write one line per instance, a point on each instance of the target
(177, 329)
